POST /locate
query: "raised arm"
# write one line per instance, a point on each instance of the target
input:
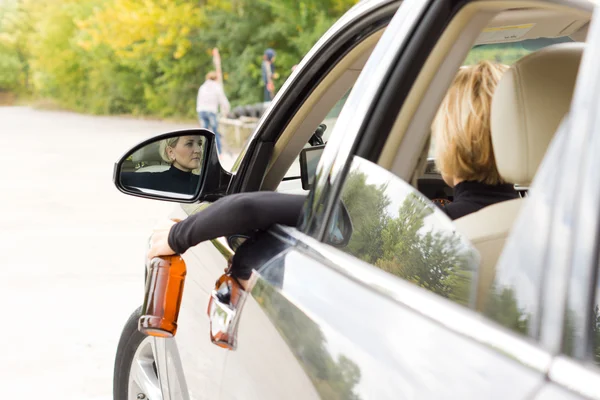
(239, 213)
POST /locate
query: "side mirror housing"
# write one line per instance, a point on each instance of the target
(181, 166)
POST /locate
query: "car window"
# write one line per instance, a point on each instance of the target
(505, 53)
(397, 229)
(329, 122)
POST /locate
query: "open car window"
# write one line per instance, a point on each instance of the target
(504, 53)
(329, 122)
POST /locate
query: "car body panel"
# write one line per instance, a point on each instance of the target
(201, 363)
(195, 363)
(263, 367)
(349, 19)
(554, 392)
(322, 324)
(351, 339)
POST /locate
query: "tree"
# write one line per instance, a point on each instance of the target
(403, 245)
(333, 379)
(502, 306)
(366, 205)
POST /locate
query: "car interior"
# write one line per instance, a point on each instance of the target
(528, 106)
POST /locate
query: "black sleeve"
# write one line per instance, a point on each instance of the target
(238, 213)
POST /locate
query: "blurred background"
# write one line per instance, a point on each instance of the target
(80, 83)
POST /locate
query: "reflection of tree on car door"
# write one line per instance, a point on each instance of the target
(402, 243)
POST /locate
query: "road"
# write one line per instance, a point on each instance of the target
(72, 250)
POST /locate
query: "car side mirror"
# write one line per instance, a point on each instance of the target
(180, 166)
(309, 159)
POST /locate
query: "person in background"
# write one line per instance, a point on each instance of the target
(211, 97)
(268, 74)
(463, 141)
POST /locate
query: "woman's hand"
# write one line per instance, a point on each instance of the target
(159, 242)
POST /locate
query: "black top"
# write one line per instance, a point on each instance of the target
(237, 213)
(172, 180)
(471, 196)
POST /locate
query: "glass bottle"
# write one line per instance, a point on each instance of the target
(164, 290)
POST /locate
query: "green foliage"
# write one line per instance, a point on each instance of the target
(333, 379)
(502, 307)
(506, 54)
(402, 245)
(366, 205)
(596, 334)
(150, 56)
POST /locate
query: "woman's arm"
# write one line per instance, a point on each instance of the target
(239, 213)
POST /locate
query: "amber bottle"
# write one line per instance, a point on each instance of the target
(164, 290)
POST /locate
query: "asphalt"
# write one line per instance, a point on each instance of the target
(72, 250)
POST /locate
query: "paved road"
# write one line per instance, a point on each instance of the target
(72, 250)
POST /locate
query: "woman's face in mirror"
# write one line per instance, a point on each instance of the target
(186, 153)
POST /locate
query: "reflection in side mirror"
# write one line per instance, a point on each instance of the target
(342, 230)
(180, 166)
(170, 165)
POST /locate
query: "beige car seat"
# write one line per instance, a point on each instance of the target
(530, 101)
(150, 155)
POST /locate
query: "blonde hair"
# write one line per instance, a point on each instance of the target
(164, 144)
(461, 128)
(212, 75)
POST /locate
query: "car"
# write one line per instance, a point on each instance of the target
(390, 298)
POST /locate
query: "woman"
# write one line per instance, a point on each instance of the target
(463, 143)
(185, 154)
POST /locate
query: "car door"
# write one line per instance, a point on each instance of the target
(193, 366)
(574, 332)
(323, 322)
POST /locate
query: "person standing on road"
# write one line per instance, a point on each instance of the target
(268, 74)
(211, 97)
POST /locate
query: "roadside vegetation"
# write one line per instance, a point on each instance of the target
(148, 57)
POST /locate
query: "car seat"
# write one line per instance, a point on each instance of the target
(529, 103)
(150, 156)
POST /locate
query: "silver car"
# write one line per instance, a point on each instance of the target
(390, 299)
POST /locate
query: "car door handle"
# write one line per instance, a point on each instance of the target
(223, 311)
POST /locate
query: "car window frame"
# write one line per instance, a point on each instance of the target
(407, 36)
(354, 119)
(360, 22)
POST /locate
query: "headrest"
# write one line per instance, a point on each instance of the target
(529, 102)
(150, 152)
